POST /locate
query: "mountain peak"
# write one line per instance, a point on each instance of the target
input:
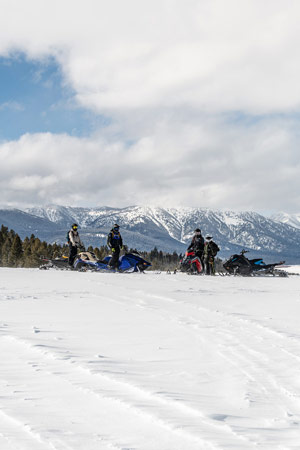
(168, 229)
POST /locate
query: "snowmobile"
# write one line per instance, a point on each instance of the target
(191, 263)
(238, 264)
(130, 262)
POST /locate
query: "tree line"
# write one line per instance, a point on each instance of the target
(30, 252)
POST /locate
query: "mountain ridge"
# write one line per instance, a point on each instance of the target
(289, 219)
(168, 229)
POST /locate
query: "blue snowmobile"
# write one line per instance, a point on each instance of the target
(130, 262)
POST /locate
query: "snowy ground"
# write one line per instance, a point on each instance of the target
(148, 362)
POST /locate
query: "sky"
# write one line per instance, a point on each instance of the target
(163, 103)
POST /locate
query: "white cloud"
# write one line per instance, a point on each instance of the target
(11, 105)
(222, 167)
(169, 75)
(212, 55)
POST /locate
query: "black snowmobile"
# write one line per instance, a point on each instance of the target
(240, 265)
(55, 263)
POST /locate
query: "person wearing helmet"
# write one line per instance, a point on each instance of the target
(74, 243)
(115, 243)
(197, 244)
(210, 251)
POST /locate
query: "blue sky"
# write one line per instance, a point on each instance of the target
(34, 99)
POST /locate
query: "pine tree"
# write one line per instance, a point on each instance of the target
(3, 236)
(5, 252)
(37, 249)
(16, 252)
(27, 252)
(54, 251)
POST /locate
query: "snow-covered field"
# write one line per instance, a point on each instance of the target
(95, 361)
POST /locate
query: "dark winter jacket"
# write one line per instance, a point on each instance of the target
(197, 244)
(210, 249)
(114, 240)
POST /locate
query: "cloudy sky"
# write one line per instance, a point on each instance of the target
(161, 102)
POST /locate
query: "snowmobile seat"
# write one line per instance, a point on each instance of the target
(87, 256)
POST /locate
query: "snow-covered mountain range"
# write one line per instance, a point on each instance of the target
(168, 229)
(289, 219)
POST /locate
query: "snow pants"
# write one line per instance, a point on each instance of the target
(72, 254)
(209, 265)
(114, 261)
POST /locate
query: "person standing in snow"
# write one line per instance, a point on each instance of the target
(210, 251)
(115, 243)
(74, 243)
(197, 244)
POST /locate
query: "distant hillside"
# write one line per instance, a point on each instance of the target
(168, 229)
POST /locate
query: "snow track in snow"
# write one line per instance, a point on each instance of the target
(149, 362)
(93, 394)
(266, 359)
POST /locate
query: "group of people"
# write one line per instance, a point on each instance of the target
(206, 250)
(114, 242)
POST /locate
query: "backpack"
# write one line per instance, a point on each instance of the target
(115, 238)
(68, 237)
(214, 248)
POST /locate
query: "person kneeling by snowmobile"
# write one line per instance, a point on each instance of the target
(74, 243)
(210, 251)
(115, 243)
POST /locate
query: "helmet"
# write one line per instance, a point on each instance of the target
(74, 226)
(116, 227)
(208, 238)
(197, 230)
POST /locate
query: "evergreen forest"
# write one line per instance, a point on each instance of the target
(32, 252)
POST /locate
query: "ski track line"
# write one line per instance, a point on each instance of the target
(232, 319)
(228, 328)
(13, 432)
(147, 397)
(113, 385)
(189, 323)
(236, 325)
(233, 327)
(257, 374)
(279, 412)
(104, 441)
